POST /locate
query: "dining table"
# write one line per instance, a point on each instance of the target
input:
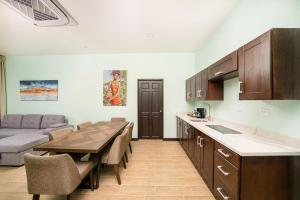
(90, 140)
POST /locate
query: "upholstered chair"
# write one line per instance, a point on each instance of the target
(115, 154)
(84, 125)
(130, 126)
(118, 119)
(55, 175)
(59, 134)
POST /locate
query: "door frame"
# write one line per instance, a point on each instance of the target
(163, 108)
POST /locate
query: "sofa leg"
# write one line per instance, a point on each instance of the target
(117, 172)
(36, 197)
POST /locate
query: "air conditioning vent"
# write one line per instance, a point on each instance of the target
(42, 12)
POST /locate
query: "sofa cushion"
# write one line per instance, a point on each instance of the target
(49, 120)
(31, 121)
(13, 131)
(18, 143)
(12, 121)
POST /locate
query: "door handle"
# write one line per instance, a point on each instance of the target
(160, 111)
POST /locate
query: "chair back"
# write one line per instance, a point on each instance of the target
(54, 175)
(118, 119)
(60, 133)
(130, 127)
(117, 149)
(84, 125)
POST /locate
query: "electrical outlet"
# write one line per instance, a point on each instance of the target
(265, 112)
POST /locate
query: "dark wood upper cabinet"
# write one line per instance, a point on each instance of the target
(190, 88)
(225, 68)
(269, 66)
(207, 90)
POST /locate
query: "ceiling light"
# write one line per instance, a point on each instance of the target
(42, 12)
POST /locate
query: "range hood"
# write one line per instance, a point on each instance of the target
(42, 12)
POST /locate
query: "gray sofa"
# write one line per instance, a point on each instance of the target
(20, 133)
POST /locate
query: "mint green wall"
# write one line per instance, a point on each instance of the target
(247, 21)
(80, 84)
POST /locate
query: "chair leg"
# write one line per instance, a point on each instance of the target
(124, 164)
(36, 197)
(130, 148)
(126, 157)
(117, 172)
(68, 197)
(92, 180)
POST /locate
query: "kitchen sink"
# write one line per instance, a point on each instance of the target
(223, 129)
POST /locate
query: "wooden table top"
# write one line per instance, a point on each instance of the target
(89, 140)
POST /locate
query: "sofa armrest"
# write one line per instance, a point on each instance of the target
(58, 125)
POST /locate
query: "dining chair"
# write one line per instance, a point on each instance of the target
(118, 119)
(59, 134)
(84, 125)
(115, 154)
(130, 136)
(55, 175)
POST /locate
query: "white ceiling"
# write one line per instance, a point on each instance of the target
(116, 26)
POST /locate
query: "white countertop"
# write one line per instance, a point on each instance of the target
(247, 143)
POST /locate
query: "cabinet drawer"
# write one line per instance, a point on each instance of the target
(222, 192)
(227, 173)
(224, 66)
(227, 154)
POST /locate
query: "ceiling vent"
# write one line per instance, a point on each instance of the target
(42, 12)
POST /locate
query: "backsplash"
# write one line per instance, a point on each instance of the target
(274, 116)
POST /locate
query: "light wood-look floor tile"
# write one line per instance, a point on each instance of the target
(157, 170)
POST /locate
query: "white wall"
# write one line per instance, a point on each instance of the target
(80, 84)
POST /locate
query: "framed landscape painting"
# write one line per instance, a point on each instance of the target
(114, 87)
(39, 90)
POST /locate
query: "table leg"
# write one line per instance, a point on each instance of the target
(98, 169)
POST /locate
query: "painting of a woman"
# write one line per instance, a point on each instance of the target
(114, 87)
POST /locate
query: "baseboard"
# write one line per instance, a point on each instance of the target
(134, 139)
(170, 139)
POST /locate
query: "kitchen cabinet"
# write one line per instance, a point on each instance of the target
(231, 176)
(207, 90)
(207, 159)
(190, 88)
(269, 66)
(225, 68)
(179, 129)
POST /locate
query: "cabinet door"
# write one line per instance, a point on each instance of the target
(197, 151)
(188, 89)
(185, 136)
(204, 88)
(207, 159)
(255, 69)
(193, 88)
(198, 82)
(191, 141)
(225, 68)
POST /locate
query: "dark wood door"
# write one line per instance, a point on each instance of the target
(150, 108)
(255, 69)
(207, 159)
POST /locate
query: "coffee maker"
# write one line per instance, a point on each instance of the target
(201, 113)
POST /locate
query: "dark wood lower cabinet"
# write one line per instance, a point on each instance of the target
(233, 177)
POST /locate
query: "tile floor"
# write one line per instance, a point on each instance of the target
(157, 170)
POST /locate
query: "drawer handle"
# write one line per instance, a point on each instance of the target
(198, 140)
(221, 193)
(240, 86)
(224, 154)
(218, 73)
(220, 168)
